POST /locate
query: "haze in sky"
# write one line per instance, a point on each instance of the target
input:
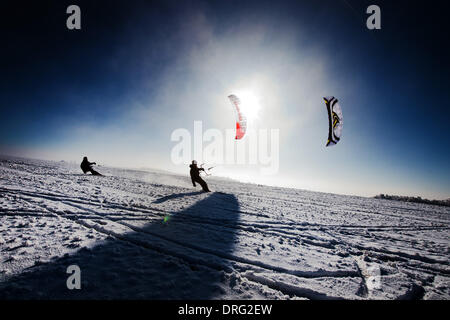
(117, 89)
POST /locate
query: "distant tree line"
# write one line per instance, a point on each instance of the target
(414, 199)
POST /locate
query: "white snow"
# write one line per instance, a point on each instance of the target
(242, 241)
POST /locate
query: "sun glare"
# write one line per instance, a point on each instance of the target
(249, 104)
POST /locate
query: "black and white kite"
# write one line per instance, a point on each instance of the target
(335, 120)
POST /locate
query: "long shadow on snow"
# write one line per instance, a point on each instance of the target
(182, 258)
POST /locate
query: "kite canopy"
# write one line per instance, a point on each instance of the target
(335, 120)
(241, 119)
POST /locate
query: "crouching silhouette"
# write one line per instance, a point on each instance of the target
(86, 166)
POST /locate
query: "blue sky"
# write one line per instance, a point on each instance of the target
(115, 90)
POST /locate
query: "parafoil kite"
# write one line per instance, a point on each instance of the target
(335, 120)
(241, 119)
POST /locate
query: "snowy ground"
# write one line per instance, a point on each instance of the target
(150, 235)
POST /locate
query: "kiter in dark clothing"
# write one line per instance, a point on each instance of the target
(195, 176)
(86, 166)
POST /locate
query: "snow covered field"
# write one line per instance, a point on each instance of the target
(151, 235)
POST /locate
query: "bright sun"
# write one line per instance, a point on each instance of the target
(249, 104)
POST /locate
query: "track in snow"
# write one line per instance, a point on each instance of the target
(246, 241)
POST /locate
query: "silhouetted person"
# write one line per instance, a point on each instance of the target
(86, 166)
(195, 176)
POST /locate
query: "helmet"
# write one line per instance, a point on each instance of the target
(194, 162)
